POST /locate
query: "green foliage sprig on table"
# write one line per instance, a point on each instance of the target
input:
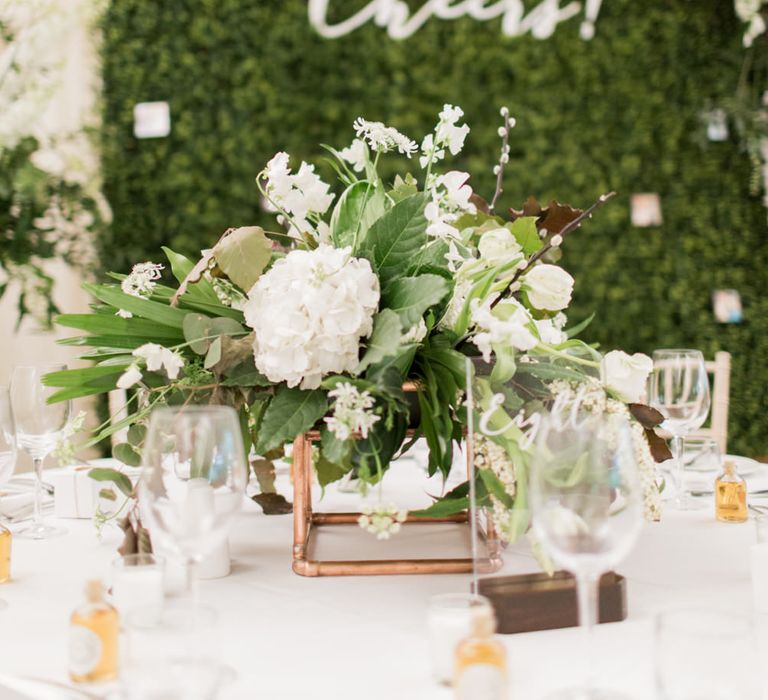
(621, 112)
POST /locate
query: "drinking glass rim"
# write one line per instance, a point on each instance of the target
(679, 351)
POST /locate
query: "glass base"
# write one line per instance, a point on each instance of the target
(39, 531)
(587, 694)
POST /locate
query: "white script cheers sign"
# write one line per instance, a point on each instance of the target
(541, 20)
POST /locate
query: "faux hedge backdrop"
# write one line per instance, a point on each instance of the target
(245, 78)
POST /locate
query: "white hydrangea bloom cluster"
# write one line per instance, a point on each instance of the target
(750, 11)
(309, 312)
(448, 134)
(592, 397)
(509, 324)
(351, 411)
(302, 195)
(450, 198)
(156, 357)
(382, 138)
(356, 154)
(382, 520)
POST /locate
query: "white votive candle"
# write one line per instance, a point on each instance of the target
(450, 621)
(137, 582)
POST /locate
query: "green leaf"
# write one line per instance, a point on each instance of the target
(72, 378)
(404, 188)
(126, 454)
(410, 297)
(396, 238)
(213, 355)
(182, 268)
(360, 205)
(335, 450)
(243, 255)
(116, 477)
(291, 412)
(245, 374)
(443, 508)
(384, 341)
(136, 434)
(527, 235)
(109, 294)
(328, 471)
(579, 327)
(494, 486)
(100, 324)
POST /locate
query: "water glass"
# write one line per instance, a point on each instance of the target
(702, 463)
(449, 620)
(137, 583)
(705, 655)
(171, 655)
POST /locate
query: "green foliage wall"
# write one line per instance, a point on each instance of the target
(246, 78)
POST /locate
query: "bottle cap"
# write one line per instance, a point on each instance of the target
(94, 590)
(729, 467)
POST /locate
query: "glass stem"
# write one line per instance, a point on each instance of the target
(677, 455)
(38, 512)
(587, 589)
(193, 584)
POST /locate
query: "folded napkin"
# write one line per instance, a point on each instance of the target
(13, 688)
(17, 500)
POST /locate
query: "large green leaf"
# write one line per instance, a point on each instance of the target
(243, 254)
(84, 375)
(109, 294)
(524, 230)
(361, 204)
(396, 238)
(384, 341)
(410, 297)
(291, 412)
(182, 268)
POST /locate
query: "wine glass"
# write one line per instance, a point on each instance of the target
(587, 507)
(193, 479)
(39, 427)
(679, 389)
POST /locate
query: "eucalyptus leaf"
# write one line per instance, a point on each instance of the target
(126, 454)
(213, 356)
(243, 254)
(116, 477)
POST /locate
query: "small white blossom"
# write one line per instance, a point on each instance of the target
(508, 324)
(382, 138)
(356, 155)
(430, 154)
(158, 357)
(122, 313)
(451, 197)
(448, 133)
(131, 376)
(415, 334)
(351, 411)
(142, 280)
(382, 521)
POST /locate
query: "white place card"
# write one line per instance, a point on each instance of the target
(151, 120)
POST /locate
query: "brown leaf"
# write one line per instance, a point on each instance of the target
(233, 352)
(557, 216)
(645, 415)
(144, 540)
(130, 543)
(530, 208)
(480, 204)
(658, 445)
(194, 274)
(273, 503)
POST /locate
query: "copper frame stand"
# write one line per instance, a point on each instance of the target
(306, 524)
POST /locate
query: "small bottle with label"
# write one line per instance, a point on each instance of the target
(5, 554)
(93, 629)
(730, 496)
(481, 662)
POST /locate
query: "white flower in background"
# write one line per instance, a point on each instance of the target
(626, 375)
(429, 152)
(498, 246)
(508, 324)
(382, 521)
(351, 411)
(356, 155)
(451, 197)
(142, 280)
(157, 357)
(549, 287)
(382, 138)
(300, 195)
(415, 334)
(309, 312)
(550, 332)
(750, 11)
(747, 9)
(461, 291)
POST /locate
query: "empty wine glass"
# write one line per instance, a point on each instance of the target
(39, 427)
(193, 479)
(679, 389)
(587, 508)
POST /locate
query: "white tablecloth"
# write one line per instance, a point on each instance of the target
(366, 637)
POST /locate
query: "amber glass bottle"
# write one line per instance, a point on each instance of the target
(5, 553)
(730, 496)
(94, 629)
(481, 662)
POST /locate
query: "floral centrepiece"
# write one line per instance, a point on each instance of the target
(321, 322)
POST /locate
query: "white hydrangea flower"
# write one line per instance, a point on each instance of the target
(382, 138)
(382, 521)
(351, 411)
(356, 154)
(309, 312)
(451, 197)
(508, 324)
